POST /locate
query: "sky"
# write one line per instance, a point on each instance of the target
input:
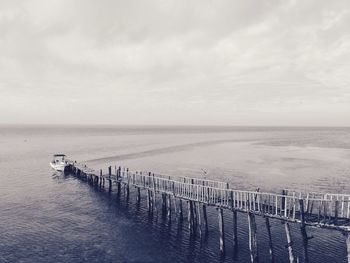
(158, 62)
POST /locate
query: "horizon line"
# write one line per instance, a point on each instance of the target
(173, 125)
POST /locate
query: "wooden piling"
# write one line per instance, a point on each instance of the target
(118, 175)
(154, 192)
(193, 221)
(205, 218)
(235, 232)
(180, 210)
(268, 228)
(289, 243)
(127, 183)
(100, 178)
(303, 231)
(109, 185)
(347, 234)
(336, 211)
(164, 203)
(175, 206)
(283, 201)
(169, 205)
(221, 230)
(253, 242)
(138, 197)
(149, 200)
(199, 222)
(109, 178)
(189, 215)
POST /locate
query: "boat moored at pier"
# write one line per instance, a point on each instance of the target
(59, 162)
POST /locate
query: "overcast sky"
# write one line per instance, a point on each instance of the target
(175, 62)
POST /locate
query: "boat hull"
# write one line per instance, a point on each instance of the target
(58, 166)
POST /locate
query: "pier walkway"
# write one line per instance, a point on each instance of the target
(331, 211)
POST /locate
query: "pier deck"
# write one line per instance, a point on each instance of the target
(331, 211)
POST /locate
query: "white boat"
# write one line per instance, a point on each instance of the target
(59, 163)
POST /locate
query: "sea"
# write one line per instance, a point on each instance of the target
(47, 216)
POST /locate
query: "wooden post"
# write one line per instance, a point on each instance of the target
(109, 180)
(189, 216)
(149, 199)
(303, 230)
(195, 218)
(169, 205)
(268, 228)
(180, 210)
(336, 211)
(347, 234)
(154, 193)
(193, 222)
(100, 178)
(290, 243)
(138, 197)
(253, 243)
(235, 233)
(127, 182)
(319, 211)
(163, 203)
(175, 207)
(205, 218)
(109, 185)
(283, 200)
(118, 174)
(222, 231)
(198, 207)
(193, 210)
(151, 194)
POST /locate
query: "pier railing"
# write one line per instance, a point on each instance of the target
(323, 210)
(326, 210)
(329, 209)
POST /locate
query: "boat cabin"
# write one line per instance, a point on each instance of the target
(57, 158)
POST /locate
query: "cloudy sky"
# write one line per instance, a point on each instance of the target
(235, 62)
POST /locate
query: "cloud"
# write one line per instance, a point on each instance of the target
(176, 62)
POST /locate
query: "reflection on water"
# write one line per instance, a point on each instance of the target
(48, 217)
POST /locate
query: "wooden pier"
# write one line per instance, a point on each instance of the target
(331, 211)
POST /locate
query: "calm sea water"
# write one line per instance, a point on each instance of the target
(45, 217)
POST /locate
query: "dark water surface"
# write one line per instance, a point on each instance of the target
(54, 218)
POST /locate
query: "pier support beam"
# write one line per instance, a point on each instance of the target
(205, 218)
(164, 203)
(181, 217)
(268, 228)
(290, 243)
(149, 205)
(199, 219)
(109, 180)
(190, 217)
(235, 232)
(347, 235)
(221, 230)
(303, 231)
(100, 178)
(169, 205)
(127, 183)
(138, 197)
(253, 242)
